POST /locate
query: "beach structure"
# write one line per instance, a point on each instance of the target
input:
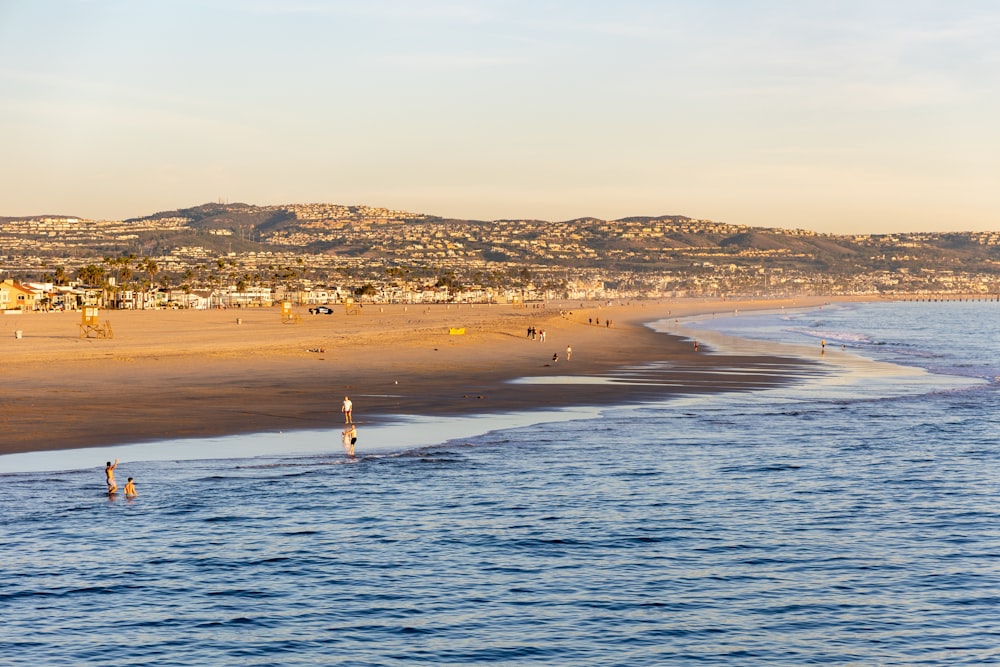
(350, 306)
(287, 316)
(91, 326)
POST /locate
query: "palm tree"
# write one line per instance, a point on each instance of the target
(149, 266)
(151, 269)
(125, 272)
(91, 275)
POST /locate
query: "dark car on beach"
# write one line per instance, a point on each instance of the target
(321, 310)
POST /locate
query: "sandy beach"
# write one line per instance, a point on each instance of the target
(173, 374)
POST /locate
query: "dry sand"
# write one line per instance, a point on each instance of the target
(172, 374)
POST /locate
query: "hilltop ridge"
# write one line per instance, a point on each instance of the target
(654, 253)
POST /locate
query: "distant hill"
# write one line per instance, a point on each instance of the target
(663, 244)
(227, 216)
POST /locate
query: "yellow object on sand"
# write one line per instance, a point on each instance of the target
(456, 332)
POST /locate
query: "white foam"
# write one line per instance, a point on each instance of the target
(396, 433)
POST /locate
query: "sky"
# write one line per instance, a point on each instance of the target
(838, 116)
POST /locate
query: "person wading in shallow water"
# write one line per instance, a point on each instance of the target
(350, 436)
(109, 474)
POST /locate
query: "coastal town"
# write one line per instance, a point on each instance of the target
(238, 255)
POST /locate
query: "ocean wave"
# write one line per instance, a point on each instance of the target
(855, 338)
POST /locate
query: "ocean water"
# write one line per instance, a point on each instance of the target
(849, 519)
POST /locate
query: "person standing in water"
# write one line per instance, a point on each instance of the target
(109, 474)
(130, 491)
(348, 409)
(350, 436)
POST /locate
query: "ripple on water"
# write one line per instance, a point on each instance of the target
(783, 528)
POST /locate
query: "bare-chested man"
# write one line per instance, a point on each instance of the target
(350, 436)
(109, 473)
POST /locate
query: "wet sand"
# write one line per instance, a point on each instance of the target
(173, 374)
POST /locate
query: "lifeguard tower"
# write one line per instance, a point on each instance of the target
(90, 324)
(350, 307)
(287, 316)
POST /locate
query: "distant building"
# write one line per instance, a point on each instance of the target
(195, 299)
(15, 296)
(247, 298)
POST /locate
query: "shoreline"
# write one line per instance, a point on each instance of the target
(173, 375)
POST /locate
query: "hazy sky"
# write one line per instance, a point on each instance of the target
(834, 115)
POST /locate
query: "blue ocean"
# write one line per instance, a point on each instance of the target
(851, 517)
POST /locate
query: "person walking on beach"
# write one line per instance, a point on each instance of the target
(348, 409)
(109, 474)
(569, 352)
(130, 489)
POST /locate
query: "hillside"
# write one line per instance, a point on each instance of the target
(371, 242)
